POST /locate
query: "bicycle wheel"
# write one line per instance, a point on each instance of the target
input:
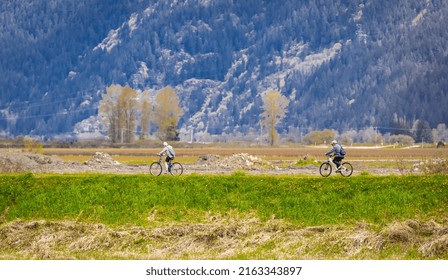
(325, 169)
(176, 169)
(155, 169)
(346, 169)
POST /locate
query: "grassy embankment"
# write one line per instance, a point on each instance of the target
(226, 217)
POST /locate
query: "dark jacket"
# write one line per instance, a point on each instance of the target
(336, 150)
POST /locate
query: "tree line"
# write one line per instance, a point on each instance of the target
(126, 113)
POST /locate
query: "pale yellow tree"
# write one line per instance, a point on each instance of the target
(167, 113)
(145, 114)
(274, 110)
(127, 103)
(118, 112)
(108, 111)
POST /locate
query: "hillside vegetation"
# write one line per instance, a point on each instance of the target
(344, 65)
(238, 216)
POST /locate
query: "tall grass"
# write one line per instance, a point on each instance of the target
(144, 200)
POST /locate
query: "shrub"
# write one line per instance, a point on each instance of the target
(402, 139)
(435, 166)
(31, 145)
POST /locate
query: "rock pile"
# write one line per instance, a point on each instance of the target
(208, 159)
(242, 161)
(100, 158)
(24, 162)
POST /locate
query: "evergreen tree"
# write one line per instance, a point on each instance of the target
(423, 132)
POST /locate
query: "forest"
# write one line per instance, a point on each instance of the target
(343, 65)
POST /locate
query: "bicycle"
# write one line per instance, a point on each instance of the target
(345, 169)
(174, 168)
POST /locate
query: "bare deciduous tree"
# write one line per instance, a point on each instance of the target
(145, 114)
(118, 112)
(275, 109)
(167, 113)
(108, 112)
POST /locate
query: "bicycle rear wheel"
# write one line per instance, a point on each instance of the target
(155, 169)
(325, 169)
(346, 169)
(176, 169)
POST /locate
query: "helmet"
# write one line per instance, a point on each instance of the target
(334, 142)
(165, 144)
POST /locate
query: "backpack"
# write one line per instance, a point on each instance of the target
(171, 152)
(343, 152)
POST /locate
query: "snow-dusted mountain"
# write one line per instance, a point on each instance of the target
(343, 64)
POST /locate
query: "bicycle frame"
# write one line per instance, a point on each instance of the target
(161, 161)
(174, 168)
(345, 168)
(330, 160)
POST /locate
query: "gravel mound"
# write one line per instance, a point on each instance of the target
(242, 161)
(25, 162)
(100, 158)
(19, 162)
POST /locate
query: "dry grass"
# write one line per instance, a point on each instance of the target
(269, 153)
(222, 237)
(435, 166)
(353, 152)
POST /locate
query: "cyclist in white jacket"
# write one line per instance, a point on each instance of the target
(170, 154)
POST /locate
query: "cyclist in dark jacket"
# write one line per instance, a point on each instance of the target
(336, 151)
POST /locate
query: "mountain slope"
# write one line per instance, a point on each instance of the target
(343, 65)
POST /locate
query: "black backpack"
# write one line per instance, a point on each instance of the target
(343, 152)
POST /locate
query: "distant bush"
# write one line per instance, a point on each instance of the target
(306, 161)
(435, 166)
(31, 145)
(319, 137)
(401, 139)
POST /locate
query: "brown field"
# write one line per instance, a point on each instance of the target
(288, 159)
(191, 154)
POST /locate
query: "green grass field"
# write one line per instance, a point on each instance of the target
(261, 217)
(123, 199)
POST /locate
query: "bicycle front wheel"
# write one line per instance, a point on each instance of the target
(346, 169)
(155, 169)
(325, 169)
(176, 169)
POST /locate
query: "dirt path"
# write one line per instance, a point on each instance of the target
(100, 162)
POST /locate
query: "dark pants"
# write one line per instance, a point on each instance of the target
(337, 161)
